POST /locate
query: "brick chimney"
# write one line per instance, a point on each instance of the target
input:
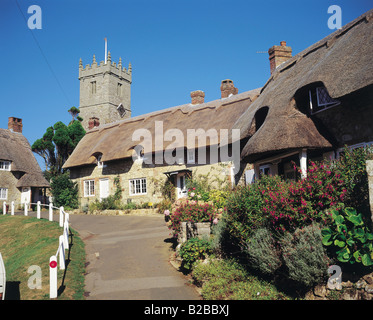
(15, 124)
(197, 96)
(227, 88)
(93, 122)
(278, 55)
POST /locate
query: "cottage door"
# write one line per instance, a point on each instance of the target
(104, 188)
(181, 188)
(26, 195)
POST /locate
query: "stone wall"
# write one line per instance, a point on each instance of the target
(127, 169)
(9, 179)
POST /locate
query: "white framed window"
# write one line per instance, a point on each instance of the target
(137, 186)
(3, 193)
(265, 169)
(5, 165)
(320, 100)
(191, 156)
(89, 188)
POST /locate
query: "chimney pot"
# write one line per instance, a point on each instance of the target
(15, 124)
(227, 88)
(197, 96)
(93, 122)
(278, 55)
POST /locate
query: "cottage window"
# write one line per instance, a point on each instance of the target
(137, 186)
(319, 100)
(3, 193)
(5, 165)
(89, 188)
(340, 151)
(265, 170)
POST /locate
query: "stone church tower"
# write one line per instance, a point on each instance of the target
(105, 92)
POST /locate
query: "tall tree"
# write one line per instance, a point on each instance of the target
(57, 144)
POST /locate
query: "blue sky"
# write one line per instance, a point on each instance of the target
(175, 47)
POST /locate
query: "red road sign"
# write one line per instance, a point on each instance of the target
(53, 264)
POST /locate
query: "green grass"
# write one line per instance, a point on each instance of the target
(28, 241)
(228, 280)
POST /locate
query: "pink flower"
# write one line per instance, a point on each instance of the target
(167, 212)
(215, 221)
(192, 194)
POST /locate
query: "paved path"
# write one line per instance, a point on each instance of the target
(128, 258)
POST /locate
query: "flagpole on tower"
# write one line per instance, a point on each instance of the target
(105, 50)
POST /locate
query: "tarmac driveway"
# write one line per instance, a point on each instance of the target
(128, 259)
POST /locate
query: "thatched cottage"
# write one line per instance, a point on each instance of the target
(21, 179)
(109, 151)
(312, 105)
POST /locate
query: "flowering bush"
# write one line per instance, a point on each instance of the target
(191, 211)
(298, 204)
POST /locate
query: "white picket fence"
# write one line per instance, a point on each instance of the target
(63, 240)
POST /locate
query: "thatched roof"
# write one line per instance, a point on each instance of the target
(342, 62)
(114, 141)
(14, 147)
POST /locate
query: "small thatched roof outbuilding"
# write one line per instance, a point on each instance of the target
(342, 61)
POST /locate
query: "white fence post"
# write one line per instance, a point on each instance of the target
(61, 217)
(38, 210)
(26, 214)
(53, 277)
(50, 211)
(62, 253)
(4, 207)
(12, 208)
(66, 235)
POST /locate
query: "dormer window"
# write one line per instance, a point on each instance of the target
(100, 164)
(319, 100)
(4, 165)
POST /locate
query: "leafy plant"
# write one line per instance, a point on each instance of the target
(304, 255)
(64, 191)
(192, 250)
(348, 237)
(263, 253)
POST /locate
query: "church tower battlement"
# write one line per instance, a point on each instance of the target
(105, 91)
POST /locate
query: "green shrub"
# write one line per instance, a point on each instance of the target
(64, 191)
(219, 198)
(192, 250)
(352, 169)
(244, 213)
(304, 255)
(263, 252)
(349, 238)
